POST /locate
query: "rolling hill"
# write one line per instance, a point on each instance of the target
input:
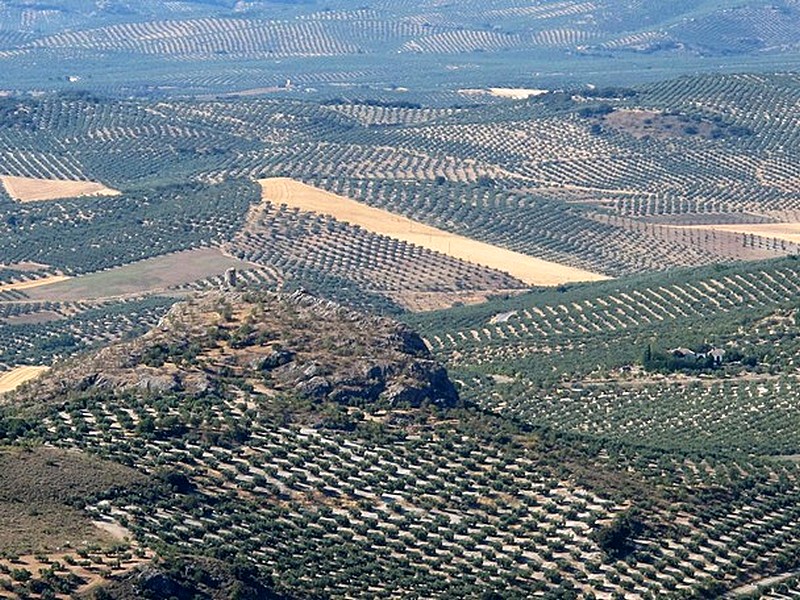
(488, 299)
(201, 47)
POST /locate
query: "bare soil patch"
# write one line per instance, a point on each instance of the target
(16, 377)
(533, 271)
(516, 93)
(510, 93)
(29, 189)
(146, 276)
(647, 123)
(115, 530)
(427, 301)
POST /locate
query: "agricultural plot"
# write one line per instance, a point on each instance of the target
(86, 235)
(721, 243)
(26, 189)
(154, 275)
(11, 380)
(64, 329)
(786, 232)
(528, 269)
(63, 574)
(566, 178)
(577, 360)
(423, 500)
(622, 430)
(314, 251)
(612, 309)
(754, 416)
(555, 179)
(532, 223)
(774, 588)
(433, 49)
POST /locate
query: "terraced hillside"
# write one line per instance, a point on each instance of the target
(290, 431)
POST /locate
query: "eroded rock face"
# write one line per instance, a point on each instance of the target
(399, 370)
(292, 343)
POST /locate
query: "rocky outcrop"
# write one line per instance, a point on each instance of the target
(294, 343)
(189, 578)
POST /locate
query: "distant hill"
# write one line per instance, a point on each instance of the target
(215, 45)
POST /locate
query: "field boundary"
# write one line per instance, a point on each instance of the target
(531, 270)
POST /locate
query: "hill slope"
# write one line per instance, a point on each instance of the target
(281, 431)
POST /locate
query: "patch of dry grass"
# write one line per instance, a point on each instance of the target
(37, 490)
(146, 276)
(16, 377)
(30, 189)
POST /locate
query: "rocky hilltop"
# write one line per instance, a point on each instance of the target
(160, 421)
(267, 343)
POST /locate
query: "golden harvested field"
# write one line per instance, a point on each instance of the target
(29, 189)
(533, 271)
(33, 283)
(789, 232)
(16, 377)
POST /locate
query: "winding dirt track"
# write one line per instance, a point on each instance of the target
(533, 271)
(32, 283)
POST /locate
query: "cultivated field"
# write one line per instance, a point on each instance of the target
(16, 377)
(531, 270)
(146, 276)
(31, 189)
